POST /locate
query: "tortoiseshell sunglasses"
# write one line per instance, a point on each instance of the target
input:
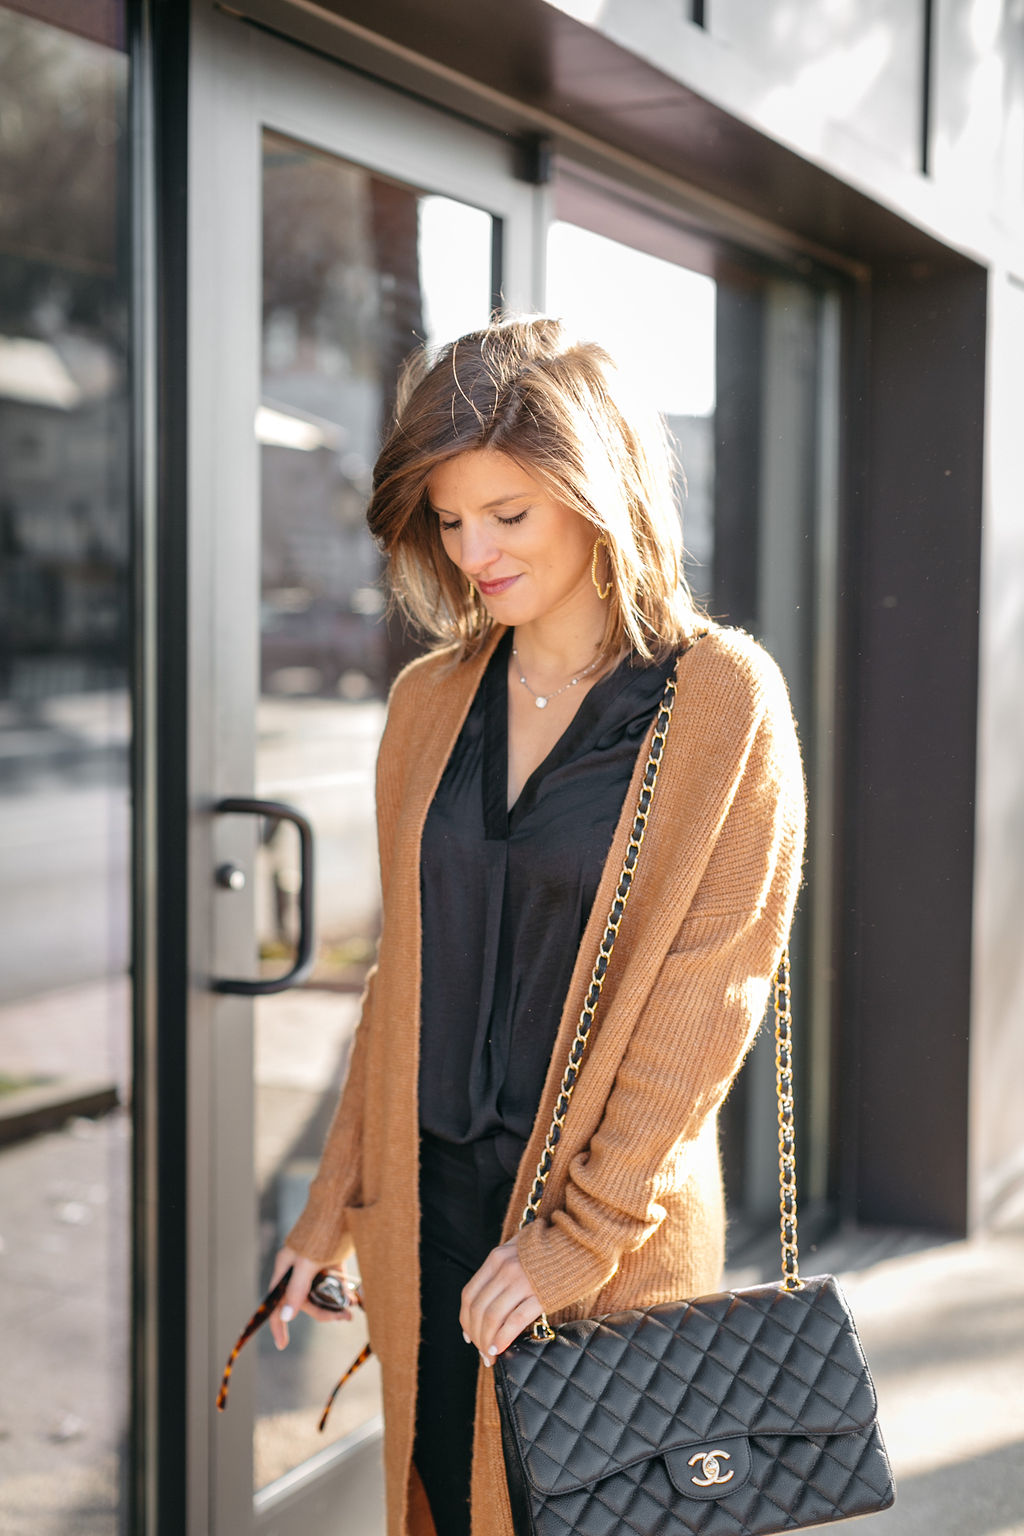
(329, 1290)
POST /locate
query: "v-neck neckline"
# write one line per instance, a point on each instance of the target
(501, 819)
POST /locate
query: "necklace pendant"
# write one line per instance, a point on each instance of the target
(541, 702)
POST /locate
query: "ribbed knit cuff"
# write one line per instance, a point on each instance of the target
(558, 1267)
(321, 1235)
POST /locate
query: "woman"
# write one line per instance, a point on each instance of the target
(526, 509)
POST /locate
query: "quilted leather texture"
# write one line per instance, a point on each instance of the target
(599, 1423)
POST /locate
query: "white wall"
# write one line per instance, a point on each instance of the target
(858, 63)
(997, 1025)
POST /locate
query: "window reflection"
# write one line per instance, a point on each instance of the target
(357, 269)
(664, 337)
(737, 364)
(64, 815)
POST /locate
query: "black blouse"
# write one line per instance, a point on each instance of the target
(506, 896)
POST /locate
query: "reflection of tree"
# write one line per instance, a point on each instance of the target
(63, 519)
(341, 259)
(318, 258)
(342, 302)
(395, 213)
(62, 120)
(396, 238)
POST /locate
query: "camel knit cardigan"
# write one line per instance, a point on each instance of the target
(632, 1213)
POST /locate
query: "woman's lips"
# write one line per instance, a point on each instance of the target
(492, 588)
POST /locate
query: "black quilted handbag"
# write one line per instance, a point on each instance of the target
(737, 1414)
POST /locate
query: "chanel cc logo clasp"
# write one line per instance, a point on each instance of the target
(712, 1472)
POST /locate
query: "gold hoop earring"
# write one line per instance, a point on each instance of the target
(602, 592)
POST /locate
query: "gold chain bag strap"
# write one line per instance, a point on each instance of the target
(749, 1411)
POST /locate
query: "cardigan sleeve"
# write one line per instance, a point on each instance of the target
(696, 1027)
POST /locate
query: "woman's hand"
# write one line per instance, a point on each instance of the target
(498, 1303)
(296, 1297)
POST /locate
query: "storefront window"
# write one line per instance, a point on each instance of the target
(663, 335)
(64, 805)
(739, 355)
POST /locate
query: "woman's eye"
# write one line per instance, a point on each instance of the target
(506, 522)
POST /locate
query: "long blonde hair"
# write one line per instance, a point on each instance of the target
(561, 409)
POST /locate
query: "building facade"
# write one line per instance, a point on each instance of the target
(222, 227)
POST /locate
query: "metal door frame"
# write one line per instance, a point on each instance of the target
(242, 80)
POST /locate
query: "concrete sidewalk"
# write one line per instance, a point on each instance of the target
(943, 1329)
(942, 1326)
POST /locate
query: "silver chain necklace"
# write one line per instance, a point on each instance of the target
(542, 700)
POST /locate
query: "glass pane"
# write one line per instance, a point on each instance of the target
(64, 808)
(738, 366)
(657, 320)
(357, 269)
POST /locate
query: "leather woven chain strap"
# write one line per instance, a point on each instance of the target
(783, 1029)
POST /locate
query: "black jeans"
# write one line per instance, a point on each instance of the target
(464, 1194)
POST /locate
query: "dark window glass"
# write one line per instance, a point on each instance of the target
(740, 354)
(64, 736)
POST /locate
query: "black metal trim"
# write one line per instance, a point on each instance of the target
(927, 65)
(845, 1085)
(278, 810)
(158, 111)
(141, 369)
(533, 159)
(497, 265)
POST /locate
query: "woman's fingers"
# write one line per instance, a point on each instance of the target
(498, 1303)
(483, 1289)
(484, 1276)
(277, 1328)
(294, 1298)
(517, 1321)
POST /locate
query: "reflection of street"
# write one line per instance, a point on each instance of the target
(64, 1259)
(64, 1013)
(301, 1054)
(64, 836)
(319, 754)
(73, 1033)
(63, 886)
(64, 1280)
(65, 829)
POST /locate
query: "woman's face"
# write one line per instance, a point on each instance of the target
(527, 553)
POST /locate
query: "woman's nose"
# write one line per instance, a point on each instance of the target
(477, 550)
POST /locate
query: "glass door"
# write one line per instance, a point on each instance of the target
(337, 224)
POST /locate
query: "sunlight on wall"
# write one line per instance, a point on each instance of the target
(587, 11)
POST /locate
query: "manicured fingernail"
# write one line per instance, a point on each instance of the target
(466, 1336)
(287, 1313)
(493, 1349)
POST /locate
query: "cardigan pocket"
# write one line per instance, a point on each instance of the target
(360, 1220)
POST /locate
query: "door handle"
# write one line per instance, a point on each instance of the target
(241, 806)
